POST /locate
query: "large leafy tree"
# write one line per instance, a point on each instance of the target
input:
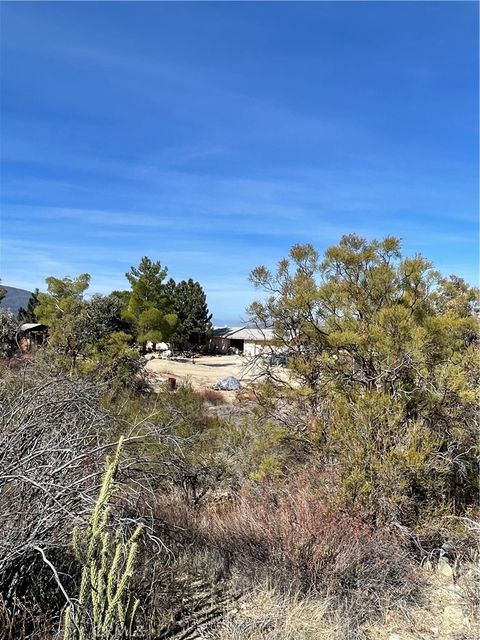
(194, 319)
(150, 308)
(383, 360)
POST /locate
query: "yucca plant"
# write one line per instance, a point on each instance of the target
(105, 607)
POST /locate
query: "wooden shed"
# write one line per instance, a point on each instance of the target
(32, 335)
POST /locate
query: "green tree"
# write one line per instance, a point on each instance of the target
(103, 316)
(8, 333)
(150, 309)
(383, 356)
(28, 314)
(194, 320)
(112, 359)
(123, 298)
(62, 308)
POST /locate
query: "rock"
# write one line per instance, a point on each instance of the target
(444, 568)
(394, 636)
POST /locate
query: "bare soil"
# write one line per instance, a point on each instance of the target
(205, 371)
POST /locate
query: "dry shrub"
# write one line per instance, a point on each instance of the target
(21, 621)
(214, 397)
(297, 542)
(246, 396)
(54, 435)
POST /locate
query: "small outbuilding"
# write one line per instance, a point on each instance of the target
(32, 335)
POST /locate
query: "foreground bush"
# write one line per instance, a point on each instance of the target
(296, 542)
(384, 371)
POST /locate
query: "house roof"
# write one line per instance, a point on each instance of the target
(223, 332)
(244, 333)
(30, 326)
(251, 333)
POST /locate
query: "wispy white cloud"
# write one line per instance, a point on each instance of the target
(123, 147)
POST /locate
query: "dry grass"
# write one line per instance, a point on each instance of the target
(296, 542)
(442, 612)
(267, 614)
(213, 397)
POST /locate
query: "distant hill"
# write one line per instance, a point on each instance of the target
(15, 298)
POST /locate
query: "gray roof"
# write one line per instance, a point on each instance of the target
(252, 334)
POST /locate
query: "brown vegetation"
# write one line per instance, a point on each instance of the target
(326, 502)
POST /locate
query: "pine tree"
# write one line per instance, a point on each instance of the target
(194, 318)
(150, 310)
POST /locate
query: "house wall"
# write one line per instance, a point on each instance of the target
(254, 347)
(219, 345)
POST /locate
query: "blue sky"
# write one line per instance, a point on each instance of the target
(213, 136)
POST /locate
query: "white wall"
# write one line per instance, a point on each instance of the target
(252, 348)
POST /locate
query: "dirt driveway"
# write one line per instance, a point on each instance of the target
(206, 370)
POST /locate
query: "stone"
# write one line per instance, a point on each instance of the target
(444, 568)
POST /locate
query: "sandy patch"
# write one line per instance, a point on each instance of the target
(206, 370)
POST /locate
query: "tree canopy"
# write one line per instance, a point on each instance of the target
(194, 319)
(383, 354)
(63, 310)
(150, 309)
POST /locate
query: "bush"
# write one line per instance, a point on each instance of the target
(8, 333)
(296, 542)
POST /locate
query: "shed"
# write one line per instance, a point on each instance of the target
(32, 336)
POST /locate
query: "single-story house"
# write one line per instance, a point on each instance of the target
(249, 341)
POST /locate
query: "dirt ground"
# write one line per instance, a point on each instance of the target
(206, 370)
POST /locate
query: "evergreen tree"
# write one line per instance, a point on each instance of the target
(150, 309)
(103, 316)
(28, 314)
(63, 309)
(194, 320)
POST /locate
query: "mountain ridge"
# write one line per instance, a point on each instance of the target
(15, 298)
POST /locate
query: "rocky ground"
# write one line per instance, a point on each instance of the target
(448, 611)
